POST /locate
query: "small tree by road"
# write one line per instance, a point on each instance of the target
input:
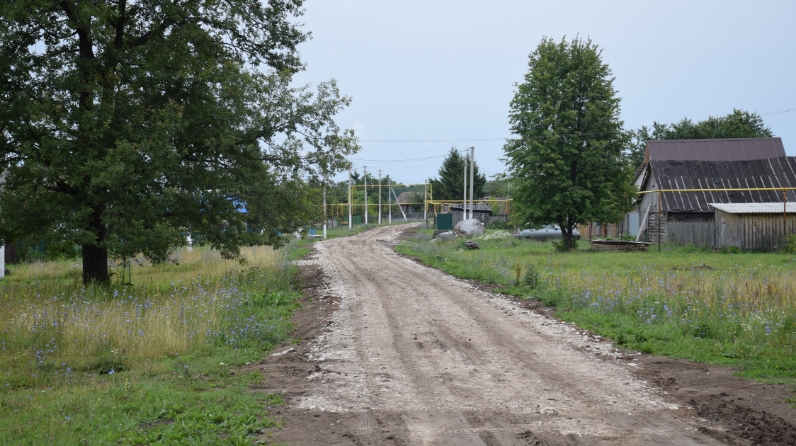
(566, 162)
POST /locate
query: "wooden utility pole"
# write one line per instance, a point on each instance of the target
(379, 196)
(365, 170)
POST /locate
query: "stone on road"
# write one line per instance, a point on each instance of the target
(460, 366)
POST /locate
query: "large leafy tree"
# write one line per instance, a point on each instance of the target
(450, 183)
(566, 161)
(738, 124)
(127, 123)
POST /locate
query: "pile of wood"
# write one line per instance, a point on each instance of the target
(618, 245)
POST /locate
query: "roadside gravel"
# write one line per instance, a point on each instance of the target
(446, 363)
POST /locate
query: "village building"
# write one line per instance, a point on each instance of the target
(705, 168)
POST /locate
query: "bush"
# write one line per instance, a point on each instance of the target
(531, 277)
(790, 245)
(730, 250)
(497, 224)
(561, 245)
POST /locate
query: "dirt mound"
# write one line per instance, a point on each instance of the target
(759, 427)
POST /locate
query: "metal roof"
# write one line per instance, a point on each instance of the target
(736, 149)
(768, 173)
(755, 208)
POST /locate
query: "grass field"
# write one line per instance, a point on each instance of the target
(737, 309)
(152, 362)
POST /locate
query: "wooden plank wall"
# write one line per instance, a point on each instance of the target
(697, 233)
(753, 231)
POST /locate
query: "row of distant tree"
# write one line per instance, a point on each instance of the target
(448, 185)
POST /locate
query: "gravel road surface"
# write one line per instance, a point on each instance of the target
(437, 361)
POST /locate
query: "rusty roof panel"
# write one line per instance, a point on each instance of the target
(711, 175)
(736, 149)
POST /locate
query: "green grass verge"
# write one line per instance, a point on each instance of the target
(718, 308)
(191, 395)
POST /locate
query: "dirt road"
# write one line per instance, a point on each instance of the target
(414, 356)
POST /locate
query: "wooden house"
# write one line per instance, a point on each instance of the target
(706, 166)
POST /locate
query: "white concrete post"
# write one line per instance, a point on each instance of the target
(472, 178)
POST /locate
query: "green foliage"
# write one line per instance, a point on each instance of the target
(531, 277)
(498, 187)
(124, 127)
(566, 161)
(497, 224)
(31, 250)
(730, 250)
(738, 124)
(450, 184)
(561, 245)
(790, 246)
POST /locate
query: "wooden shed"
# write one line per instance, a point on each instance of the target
(754, 226)
(710, 166)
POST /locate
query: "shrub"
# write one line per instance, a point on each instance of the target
(561, 245)
(497, 224)
(531, 277)
(730, 250)
(790, 245)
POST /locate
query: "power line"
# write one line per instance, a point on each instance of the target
(777, 112)
(399, 161)
(431, 140)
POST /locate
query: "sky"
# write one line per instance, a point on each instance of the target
(425, 76)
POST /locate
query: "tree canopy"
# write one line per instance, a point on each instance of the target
(127, 124)
(450, 183)
(566, 162)
(738, 124)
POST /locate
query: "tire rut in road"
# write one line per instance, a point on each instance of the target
(460, 366)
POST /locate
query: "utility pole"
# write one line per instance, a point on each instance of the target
(472, 178)
(425, 203)
(379, 196)
(350, 212)
(325, 215)
(365, 170)
(464, 202)
(389, 199)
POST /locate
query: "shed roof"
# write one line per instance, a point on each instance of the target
(406, 197)
(733, 149)
(755, 208)
(706, 175)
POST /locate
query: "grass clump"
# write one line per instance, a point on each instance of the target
(146, 363)
(726, 308)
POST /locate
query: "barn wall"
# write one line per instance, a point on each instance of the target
(697, 233)
(753, 231)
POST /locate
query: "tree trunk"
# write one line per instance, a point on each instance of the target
(568, 240)
(95, 257)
